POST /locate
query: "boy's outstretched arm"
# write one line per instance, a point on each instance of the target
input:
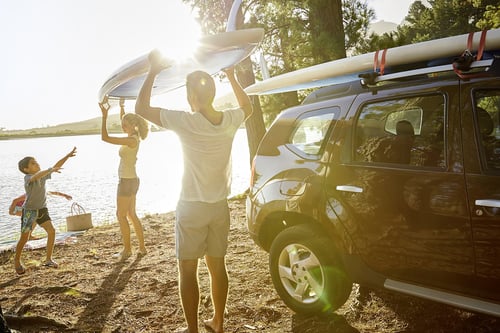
(55, 168)
(143, 103)
(63, 160)
(42, 173)
(241, 96)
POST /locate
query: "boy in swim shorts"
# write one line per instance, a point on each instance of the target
(34, 209)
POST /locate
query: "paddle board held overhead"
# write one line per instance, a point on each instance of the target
(213, 53)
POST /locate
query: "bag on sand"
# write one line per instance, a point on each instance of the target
(79, 219)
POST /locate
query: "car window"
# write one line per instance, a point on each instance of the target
(405, 131)
(487, 122)
(310, 132)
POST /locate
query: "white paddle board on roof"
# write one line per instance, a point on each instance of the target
(348, 69)
(213, 53)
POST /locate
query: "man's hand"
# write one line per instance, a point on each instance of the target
(157, 62)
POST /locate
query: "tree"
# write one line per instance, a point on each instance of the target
(439, 19)
(356, 17)
(446, 18)
(491, 16)
(303, 33)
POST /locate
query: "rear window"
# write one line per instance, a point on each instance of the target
(404, 131)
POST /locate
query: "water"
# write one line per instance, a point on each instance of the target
(91, 176)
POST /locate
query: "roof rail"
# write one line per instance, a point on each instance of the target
(492, 66)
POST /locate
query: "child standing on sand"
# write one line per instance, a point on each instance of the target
(35, 207)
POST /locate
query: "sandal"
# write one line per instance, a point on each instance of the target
(122, 256)
(50, 263)
(20, 270)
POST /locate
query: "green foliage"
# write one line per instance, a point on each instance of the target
(442, 18)
(356, 16)
(490, 18)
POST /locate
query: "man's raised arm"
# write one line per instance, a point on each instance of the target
(143, 103)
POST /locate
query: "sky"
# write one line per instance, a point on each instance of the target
(56, 54)
(390, 10)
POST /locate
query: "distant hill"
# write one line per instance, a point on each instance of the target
(90, 126)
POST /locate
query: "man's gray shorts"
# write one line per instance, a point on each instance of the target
(201, 229)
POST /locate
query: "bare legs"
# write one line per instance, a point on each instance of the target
(139, 232)
(190, 295)
(189, 292)
(25, 236)
(19, 249)
(126, 208)
(51, 238)
(219, 284)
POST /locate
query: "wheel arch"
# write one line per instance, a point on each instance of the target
(276, 222)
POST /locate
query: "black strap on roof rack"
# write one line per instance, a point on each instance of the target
(464, 62)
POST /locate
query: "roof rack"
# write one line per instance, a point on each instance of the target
(491, 68)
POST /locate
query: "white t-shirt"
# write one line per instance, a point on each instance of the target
(207, 152)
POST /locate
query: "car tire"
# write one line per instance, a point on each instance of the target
(306, 272)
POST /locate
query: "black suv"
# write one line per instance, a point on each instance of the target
(393, 184)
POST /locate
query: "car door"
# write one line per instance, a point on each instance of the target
(481, 133)
(400, 193)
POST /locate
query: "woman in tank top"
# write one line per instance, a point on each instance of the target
(136, 129)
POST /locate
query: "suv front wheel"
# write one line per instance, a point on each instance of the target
(306, 273)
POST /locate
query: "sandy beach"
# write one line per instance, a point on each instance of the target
(91, 292)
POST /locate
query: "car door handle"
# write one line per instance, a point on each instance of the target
(488, 203)
(349, 188)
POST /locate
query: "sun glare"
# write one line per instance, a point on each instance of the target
(181, 40)
(180, 50)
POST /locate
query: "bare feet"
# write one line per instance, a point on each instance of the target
(212, 327)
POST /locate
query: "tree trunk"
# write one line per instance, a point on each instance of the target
(255, 123)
